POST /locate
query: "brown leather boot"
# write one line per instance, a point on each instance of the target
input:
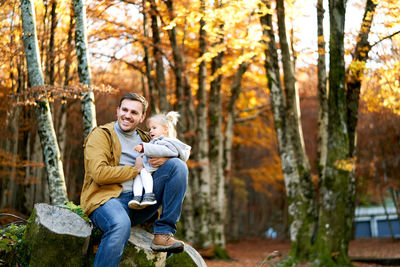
(166, 243)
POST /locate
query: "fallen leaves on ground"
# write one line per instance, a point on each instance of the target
(259, 252)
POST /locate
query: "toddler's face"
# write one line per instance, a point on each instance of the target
(156, 129)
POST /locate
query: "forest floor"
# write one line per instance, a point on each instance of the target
(254, 252)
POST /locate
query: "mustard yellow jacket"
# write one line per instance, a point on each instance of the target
(103, 175)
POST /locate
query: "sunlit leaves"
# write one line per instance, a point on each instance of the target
(383, 90)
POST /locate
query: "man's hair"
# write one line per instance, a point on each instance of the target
(135, 97)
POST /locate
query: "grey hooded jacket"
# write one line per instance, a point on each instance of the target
(164, 147)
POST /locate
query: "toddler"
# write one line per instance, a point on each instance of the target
(163, 144)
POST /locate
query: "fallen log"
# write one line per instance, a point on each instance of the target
(189, 257)
(138, 252)
(56, 237)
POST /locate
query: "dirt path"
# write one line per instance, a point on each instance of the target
(250, 253)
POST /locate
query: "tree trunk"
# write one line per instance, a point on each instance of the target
(184, 106)
(50, 53)
(355, 73)
(161, 85)
(9, 145)
(337, 187)
(178, 65)
(63, 107)
(296, 171)
(51, 152)
(322, 94)
(88, 106)
(216, 152)
(202, 185)
(150, 81)
(232, 221)
(305, 198)
(235, 92)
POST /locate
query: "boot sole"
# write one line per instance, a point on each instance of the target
(175, 248)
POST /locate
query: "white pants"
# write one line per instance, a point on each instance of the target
(143, 180)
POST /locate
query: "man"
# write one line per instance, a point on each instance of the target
(111, 164)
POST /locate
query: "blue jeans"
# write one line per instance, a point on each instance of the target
(115, 218)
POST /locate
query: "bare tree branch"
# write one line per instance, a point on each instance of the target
(384, 38)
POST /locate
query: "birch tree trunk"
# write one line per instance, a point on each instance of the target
(296, 171)
(305, 201)
(337, 187)
(216, 157)
(88, 106)
(184, 106)
(161, 85)
(51, 152)
(216, 151)
(188, 204)
(322, 94)
(202, 189)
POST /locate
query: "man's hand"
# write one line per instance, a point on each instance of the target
(139, 163)
(157, 162)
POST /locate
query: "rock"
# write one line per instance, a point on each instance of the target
(56, 237)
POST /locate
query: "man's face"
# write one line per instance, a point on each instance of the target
(130, 114)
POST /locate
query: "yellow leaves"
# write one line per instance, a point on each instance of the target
(253, 101)
(346, 165)
(357, 68)
(264, 10)
(170, 26)
(383, 89)
(321, 39)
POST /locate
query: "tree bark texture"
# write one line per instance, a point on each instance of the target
(88, 106)
(236, 88)
(50, 52)
(337, 187)
(202, 184)
(216, 155)
(52, 158)
(291, 91)
(297, 175)
(322, 144)
(178, 71)
(356, 71)
(216, 149)
(150, 81)
(160, 76)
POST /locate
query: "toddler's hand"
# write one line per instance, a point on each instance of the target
(138, 148)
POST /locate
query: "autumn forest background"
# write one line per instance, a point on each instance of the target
(239, 73)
